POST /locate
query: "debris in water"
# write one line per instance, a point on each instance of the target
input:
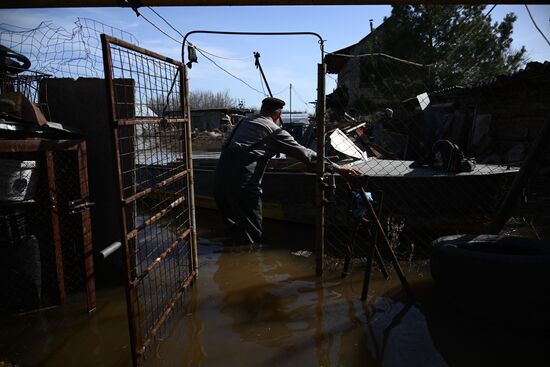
(302, 253)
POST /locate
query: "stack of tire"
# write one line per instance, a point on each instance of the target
(495, 276)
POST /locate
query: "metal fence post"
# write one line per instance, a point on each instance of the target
(320, 192)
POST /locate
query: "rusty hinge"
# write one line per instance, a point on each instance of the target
(79, 205)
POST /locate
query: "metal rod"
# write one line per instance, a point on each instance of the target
(320, 189)
(386, 242)
(186, 109)
(510, 201)
(155, 218)
(368, 270)
(376, 249)
(321, 40)
(290, 102)
(130, 293)
(157, 186)
(56, 230)
(259, 66)
(380, 261)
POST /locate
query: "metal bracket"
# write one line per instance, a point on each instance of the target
(79, 205)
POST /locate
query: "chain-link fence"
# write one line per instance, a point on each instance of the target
(435, 159)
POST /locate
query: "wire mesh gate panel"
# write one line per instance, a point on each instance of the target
(151, 135)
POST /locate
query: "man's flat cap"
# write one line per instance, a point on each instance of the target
(273, 102)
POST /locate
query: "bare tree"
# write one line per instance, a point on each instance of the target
(202, 99)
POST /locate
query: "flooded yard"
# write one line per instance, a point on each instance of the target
(263, 306)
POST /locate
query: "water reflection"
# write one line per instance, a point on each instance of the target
(261, 306)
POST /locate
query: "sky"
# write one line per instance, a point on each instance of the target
(285, 60)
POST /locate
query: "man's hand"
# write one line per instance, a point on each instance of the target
(347, 170)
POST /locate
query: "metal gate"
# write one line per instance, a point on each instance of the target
(151, 138)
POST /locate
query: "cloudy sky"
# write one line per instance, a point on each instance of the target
(285, 60)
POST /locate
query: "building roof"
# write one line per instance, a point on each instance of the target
(534, 72)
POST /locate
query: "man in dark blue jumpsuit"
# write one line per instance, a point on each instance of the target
(243, 160)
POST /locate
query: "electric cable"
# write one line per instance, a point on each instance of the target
(535, 24)
(281, 91)
(262, 83)
(300, 97)
(234, 76)
(408, 62)
(202, 52)
(189, 43)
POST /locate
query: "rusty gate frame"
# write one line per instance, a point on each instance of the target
(140, 344)
(48, 147)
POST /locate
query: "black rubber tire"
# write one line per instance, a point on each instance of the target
(498, 272)
(12, 61)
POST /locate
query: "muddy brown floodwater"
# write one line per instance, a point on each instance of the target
(263, 306)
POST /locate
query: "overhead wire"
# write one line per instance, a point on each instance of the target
(382, 55)
(228, 72)
(224, 57)
(167, 22)
(158, 28)
(409, 62)
(192, 45)
(535, 24)
(201, 51)
(262, 84)
(281, 91)
(300, 97)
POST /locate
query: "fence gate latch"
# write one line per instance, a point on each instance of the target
(79, 205)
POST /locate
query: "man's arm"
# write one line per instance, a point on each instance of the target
(283, 142)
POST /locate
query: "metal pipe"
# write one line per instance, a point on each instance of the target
(290, 102)
(386, 242)
(109, 250)
(321, 40)
(320, 187)
(368, 270)
(184, 95)
(259, 66)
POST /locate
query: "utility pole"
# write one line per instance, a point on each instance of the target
(258, 66)
(290, 95)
